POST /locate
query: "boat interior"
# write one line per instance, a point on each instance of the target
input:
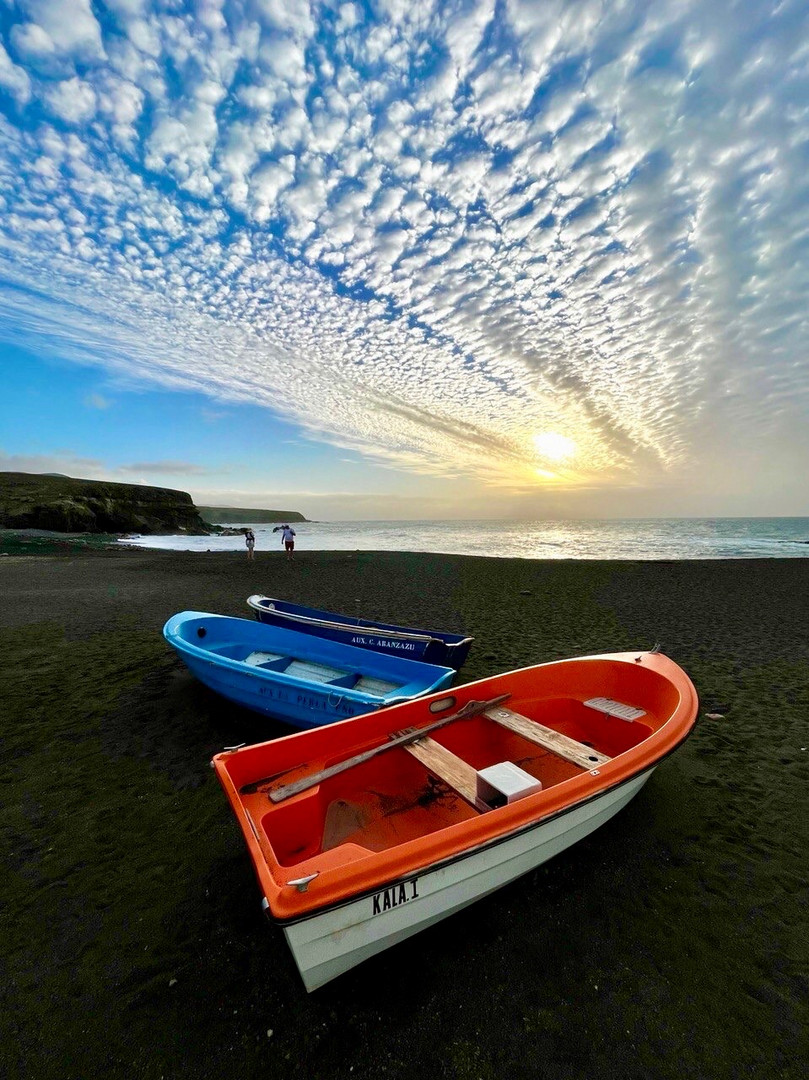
(300, 667)
(319, 673)
(434, 782)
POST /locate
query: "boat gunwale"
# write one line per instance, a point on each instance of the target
(380, 629)
(514, 818)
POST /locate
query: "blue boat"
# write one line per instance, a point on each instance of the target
(431, 646)
(298, 678)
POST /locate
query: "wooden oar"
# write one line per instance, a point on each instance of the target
(472, 708)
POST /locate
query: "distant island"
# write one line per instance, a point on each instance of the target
(221, 515)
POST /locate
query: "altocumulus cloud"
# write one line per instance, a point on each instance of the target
(423, 230)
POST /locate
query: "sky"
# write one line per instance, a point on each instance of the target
(405, 259)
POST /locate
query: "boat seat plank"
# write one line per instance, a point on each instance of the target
(569, 749)
(257, 658)
(312, 672)
(370, 685)
(447, 766)
(615, 708)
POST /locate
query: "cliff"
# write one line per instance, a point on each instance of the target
(218, 515)
(66, 504)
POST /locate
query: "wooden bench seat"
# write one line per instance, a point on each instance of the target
(447, 766)
(577, 753)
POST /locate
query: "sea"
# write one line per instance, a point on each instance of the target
(645, 538)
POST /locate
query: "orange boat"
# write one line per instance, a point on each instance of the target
(366, 831)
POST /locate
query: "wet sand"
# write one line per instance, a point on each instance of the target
(672, 943)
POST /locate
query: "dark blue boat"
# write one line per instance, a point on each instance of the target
(299, 678)
(431, 646)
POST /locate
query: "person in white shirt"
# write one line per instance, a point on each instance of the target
(288, 540)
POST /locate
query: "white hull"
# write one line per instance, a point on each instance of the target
(326, 945)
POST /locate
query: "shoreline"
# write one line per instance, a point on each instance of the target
(667, 944)
(34, 542)
(621, 540)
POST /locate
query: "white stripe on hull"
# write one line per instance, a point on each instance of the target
(326, 945)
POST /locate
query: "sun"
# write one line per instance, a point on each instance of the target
(554, 447)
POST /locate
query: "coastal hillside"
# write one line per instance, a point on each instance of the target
(67, 504)
(221, 515)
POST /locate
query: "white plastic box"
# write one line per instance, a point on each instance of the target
(503, 783)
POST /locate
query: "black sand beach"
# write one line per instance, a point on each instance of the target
(670, 944)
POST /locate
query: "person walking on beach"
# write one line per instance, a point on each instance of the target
(288, 540)
(250, 541)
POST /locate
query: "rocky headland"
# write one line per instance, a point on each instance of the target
(68, 505)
